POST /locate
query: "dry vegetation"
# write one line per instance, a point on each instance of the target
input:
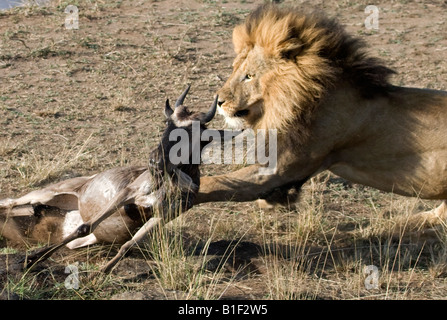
(75, 102)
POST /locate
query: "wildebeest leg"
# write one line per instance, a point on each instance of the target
(122, 198)
(136, 239)
(10, 231)
(62, 195)
(82, 242)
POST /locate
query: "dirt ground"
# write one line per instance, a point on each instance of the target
(78, 101)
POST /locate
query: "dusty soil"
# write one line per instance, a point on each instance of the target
(75, 102)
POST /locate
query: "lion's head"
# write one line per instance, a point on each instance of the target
(286, 63)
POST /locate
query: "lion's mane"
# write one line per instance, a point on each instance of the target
(309, 54)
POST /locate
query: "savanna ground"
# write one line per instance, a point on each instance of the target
(76, 102)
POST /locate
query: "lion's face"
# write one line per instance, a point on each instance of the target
(273, 80)
(285, 64)
(241, 99)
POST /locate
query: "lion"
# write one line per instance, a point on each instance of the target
(333, 107)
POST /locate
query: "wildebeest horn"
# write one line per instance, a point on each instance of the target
(180, 100)
(211, 112)
(168, 109)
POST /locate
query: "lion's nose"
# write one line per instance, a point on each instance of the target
(220, 102)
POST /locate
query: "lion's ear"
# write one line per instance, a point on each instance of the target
(241, 39)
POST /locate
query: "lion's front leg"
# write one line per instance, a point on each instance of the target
(247, 184)
(284, 196)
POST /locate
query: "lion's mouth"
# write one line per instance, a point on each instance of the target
(241, 113)
(234, 120)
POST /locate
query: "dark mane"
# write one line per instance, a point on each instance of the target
(315, 33)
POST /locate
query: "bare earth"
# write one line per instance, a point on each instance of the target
(76, 102)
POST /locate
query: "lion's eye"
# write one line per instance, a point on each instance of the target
(248, 77)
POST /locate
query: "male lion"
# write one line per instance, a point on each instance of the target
(333, 108)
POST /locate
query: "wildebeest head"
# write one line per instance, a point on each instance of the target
(181, 143)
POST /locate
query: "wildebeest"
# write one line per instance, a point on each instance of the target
(123, 204)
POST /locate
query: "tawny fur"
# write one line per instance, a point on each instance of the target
(334, 109)
(300, 56)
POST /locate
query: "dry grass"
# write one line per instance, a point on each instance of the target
(78, 102)
(34, 169)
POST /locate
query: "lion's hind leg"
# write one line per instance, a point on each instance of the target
(428, 226)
